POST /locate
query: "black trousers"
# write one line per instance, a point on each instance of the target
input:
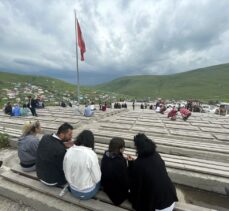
(33, 111)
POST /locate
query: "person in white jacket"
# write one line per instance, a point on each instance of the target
(81, 167)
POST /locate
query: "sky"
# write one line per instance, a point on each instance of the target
(122, 37)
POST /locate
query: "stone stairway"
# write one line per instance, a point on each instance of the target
(196, 152)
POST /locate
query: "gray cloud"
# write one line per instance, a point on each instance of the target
(122, 37)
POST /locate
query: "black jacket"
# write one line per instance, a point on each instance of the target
(49, 163)
(151, 187)
(114, 178)
(32, 103)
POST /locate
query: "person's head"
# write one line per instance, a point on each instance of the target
(31, 128)
(8, 104)
(144, 145)
(65, 132)
(85, 138)
(116, 145)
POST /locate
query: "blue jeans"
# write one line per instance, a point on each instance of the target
(87, 195)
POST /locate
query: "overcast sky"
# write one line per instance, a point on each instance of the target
(123, 37)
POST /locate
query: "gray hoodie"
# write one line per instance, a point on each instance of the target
(27, 149)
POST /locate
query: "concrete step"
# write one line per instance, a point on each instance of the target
(198, 173)
(211, 151)
(101, 201)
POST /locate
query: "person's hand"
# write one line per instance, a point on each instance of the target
(68, 144)
(128, 157)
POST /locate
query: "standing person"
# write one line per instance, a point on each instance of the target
(81, 167)
(185, 113)
(32, 105)
(50, 155)
(115, 179)
(133, 105)
(151, 187)
(28, 144)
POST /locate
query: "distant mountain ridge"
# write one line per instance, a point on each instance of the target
(209, 83)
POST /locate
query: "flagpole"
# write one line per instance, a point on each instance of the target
(77, 62)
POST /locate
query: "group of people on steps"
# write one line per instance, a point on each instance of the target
(58, 161)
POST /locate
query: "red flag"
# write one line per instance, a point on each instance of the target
(81, 42)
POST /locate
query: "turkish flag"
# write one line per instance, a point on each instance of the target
(81, 42)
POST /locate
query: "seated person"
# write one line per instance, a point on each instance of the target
(81, 167)
(114, 180)
(27, 146)
(173, 113)
(50, 156)
(25, 111)
(185, 113)
(92, 107)
(158, 109)
(162, 109)
(16, 110)
(104, 107)
(8, 109)
(63, 104)
(150, 188)
(87, 111)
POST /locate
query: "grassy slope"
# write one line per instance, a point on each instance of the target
(205, 83)
(47, 83)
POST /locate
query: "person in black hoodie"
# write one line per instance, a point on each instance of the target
(150, 186)
(114, 170)
(50, 156)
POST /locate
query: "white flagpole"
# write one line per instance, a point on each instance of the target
(77, 63)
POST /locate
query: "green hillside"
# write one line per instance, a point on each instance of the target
(54, 90)
(7, 79)
(210, 83)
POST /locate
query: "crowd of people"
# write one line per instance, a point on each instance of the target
(27, 109)
(160, 107)
(172, 112)
(61, 162)
(120, 105)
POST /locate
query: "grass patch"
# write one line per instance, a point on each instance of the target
(4, 140)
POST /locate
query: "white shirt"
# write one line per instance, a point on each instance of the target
(158, 109)
(55, 136)
(81, 168)
(92, 107)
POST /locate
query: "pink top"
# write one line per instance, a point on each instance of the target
(172, 113)
(184, 111)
